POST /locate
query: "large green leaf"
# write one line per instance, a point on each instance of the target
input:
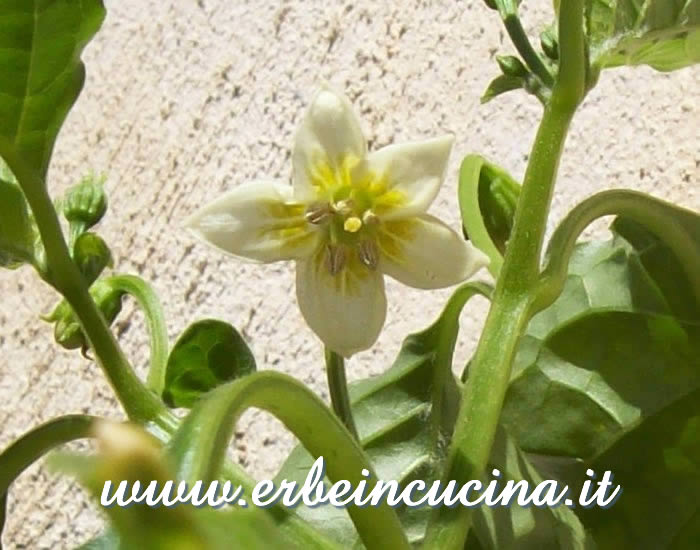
(207, 354)
(609, 352)
(41, 72)
(610, 374)
(664, 34)
(404, 417)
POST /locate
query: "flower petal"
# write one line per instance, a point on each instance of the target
(257, 221)
(329, 136)
(423, 252)
(346, 310)
(413, 170)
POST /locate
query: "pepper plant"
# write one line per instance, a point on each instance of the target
(589, 357)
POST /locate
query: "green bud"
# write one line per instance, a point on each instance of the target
(491, 4)
(85, 203)
(67, 330)
(91, 254)
(498, 199)
(511, 65)
(550, 46)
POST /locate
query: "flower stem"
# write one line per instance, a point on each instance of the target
(489, 373)
(338, 387)
(149, 302)
(509, 13)
(139, 402)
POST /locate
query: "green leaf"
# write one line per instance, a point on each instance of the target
(677, 277)
(664, 34)
(521, 528)
(33, 445)
(488, 196)
(403, 417)
(199, 445)
(610, 374)
(608, 353)
(207, 354)
(502, 84)
(657, 465)
(42, 75)
(17, 234)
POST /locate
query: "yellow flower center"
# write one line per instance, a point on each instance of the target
(350, 202)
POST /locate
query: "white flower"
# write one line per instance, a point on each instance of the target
(349, 219)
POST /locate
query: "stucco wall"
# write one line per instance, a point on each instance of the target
(186, 99)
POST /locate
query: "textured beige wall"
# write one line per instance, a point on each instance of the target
(185, 99)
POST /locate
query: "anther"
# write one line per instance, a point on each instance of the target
(353, 224)
(318, 212)
(336, 257)
(345, 207)
(370, 218)
(369, 255)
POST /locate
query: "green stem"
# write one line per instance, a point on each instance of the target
(139, 402)
(338, 387)
(509, 13)
(489, 373)
(656, 215)
(149, 302)
(35, 444)
(199, 446)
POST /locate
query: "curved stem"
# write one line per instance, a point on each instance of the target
(149, 302)
(509, 13)
(199, 446)
(444, 351)
(470, 209)
(35, 444)
(489, 373)
(338, 388)
(138, 401)
(652, 213)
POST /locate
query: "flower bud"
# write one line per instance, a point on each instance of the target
(85, 203)
(491, 4)
(91, 254)
(511, 65)
(550, 46)
(67, 330)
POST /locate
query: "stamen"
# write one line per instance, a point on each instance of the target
(369, 254)
(370, 218)
(318, 212)
(345, 207)
(352, 224)
(336, 257)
